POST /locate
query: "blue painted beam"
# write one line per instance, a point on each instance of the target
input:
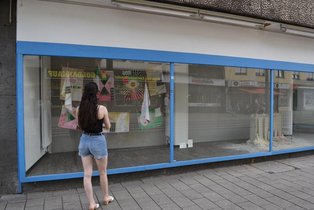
(20, 120)
(55, 49)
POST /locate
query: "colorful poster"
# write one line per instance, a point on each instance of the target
(129, 87)
(120, 121)
(67, 119)
(68, 94)
(156, 119)
(71, 84)
(153, 76)
(105, 81)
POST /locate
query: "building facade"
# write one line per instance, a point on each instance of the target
(182, 86)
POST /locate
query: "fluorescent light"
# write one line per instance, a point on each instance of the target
(300, 33)
(150, 9)
(186, 14)
(230, 21)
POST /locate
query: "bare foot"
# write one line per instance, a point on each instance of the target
(93, 207)
(108, 199)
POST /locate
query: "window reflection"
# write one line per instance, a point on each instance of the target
(133, 91)
(294, 108)
(222, 111)
(218, 111)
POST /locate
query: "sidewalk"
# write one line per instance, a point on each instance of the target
(277, 184)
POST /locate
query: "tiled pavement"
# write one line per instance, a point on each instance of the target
(277, 184)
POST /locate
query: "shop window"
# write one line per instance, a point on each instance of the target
(293, 107)
(52, 90)
(280, 74)
(260, 73)
(241, 71)
(217, 113)
(296, 75)
(310, 76)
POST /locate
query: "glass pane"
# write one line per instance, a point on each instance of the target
(127, 88)
(219, 112)
(293, 111)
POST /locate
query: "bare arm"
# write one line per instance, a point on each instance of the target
(76, 113)
(106, 118)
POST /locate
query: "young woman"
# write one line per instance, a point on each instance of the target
(92, 118)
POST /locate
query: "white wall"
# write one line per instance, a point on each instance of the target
(53, 22)
(32, 114)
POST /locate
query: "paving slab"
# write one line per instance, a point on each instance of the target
(275, 184)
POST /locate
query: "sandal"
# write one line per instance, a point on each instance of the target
(109, 200)
(95, 207)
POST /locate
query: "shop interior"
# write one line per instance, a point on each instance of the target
(218, 111)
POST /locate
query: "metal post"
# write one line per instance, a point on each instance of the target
(271, 111)
(20, 120)
(172, 112)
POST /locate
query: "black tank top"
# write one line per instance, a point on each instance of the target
(97, 129)
(99, 126)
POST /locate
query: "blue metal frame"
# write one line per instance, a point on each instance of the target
(53, 49)
(20, 120)
(271, 110)
(172, 112)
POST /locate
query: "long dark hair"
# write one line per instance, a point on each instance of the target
(87, 119)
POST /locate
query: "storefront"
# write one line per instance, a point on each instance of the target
(179, 91)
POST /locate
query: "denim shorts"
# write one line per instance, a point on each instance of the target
(95, 146)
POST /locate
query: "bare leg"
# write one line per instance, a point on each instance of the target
(88, 170)
(102, 168)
